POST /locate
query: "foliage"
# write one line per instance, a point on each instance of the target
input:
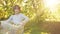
(34, 9)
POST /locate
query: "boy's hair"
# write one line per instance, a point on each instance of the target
(16, 7)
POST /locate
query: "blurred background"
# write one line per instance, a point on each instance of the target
(44, 14)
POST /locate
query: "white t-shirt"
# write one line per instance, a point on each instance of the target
(17, 19)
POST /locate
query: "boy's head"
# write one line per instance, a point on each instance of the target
(16, 9)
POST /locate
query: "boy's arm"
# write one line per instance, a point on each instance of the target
(8, 20)
(26, 19)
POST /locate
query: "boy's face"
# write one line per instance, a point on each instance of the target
(17, 11)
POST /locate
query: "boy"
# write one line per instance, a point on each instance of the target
(15, 22)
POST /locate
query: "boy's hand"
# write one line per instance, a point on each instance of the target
(22, 24)
(0, 26)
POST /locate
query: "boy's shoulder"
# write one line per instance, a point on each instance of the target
(11, 15)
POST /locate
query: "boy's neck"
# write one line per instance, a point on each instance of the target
(17, 13)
